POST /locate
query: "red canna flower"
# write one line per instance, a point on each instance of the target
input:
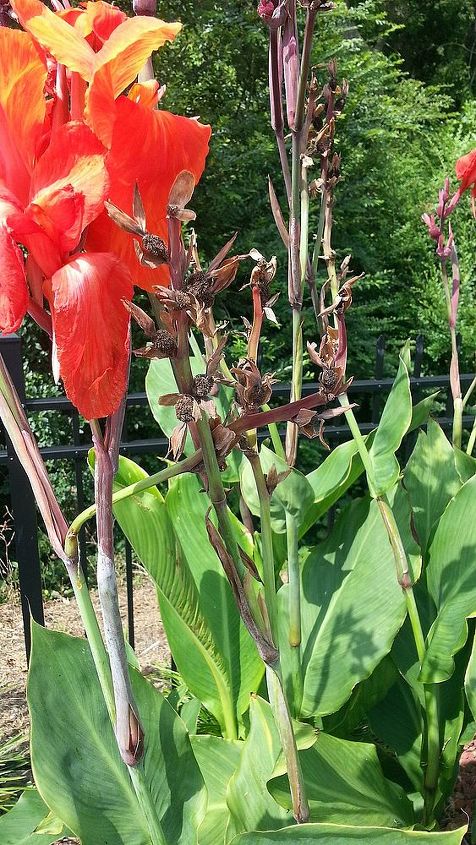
(147, 147)
(70, 139)
(465, 169)
(150, 147)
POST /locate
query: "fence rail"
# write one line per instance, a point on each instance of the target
(23, 506)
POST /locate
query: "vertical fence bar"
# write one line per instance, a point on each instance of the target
(419, 350)
(23, 507)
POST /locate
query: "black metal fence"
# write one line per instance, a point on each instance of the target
(370, 392)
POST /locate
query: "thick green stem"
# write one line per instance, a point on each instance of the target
(472, 439)
(403, 573)
(275, 438)
(269, 580)
(432, 752)
(294, 611)
(458, 403)
(296, 386)
(101, 663)
(217, 496)
(284, 724)
(93, 634)
(468, 393)
(457, 422)
(360, 443)
(132, 489)
(147, 805)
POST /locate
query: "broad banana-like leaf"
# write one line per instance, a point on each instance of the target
(431, 478)
(344, 466)
(451, 578)
(211, 647)
(345, 784)
(75, 761)
(250, 804)
(465, 464)
(401, 730)
(394, 424)
(218, 758)
(23, 823)
(366, 695)
(187, 506)
(396, 722)
(352, 607)
(339, 834)
(293, 495)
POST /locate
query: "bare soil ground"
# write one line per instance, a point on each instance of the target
(62, 615)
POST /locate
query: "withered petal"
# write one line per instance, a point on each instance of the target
(123, 220)
(142, 319)
(169, 399)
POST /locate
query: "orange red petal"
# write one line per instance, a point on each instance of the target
(117, 65)
(76, 159)
(56, 35)
(101, 18)
(13, 287)
(22, 109)
(150, 148)
(465, 169)
(91, 329)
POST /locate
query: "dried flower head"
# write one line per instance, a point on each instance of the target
(160, 343)
(202, 385)
(151, 250)
(251, 388)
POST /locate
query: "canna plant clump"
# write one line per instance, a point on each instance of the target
(326, 690)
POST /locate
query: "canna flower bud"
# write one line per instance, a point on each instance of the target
(145, 7)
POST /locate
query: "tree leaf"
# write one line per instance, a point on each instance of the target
(352, 608)
(451, 578)
(431, 479)
(218, 758)
(339, 834)
(75, 760)
(18, 826)
(394, 423)
(344, 783)
(293, 495)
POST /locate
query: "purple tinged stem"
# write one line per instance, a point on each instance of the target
(129, 733)
(276, 103)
